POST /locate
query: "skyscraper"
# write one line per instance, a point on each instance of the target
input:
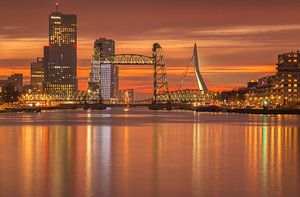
(109, 78)
(37, 74)
(60, 63)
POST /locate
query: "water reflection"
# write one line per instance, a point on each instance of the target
(201, 158)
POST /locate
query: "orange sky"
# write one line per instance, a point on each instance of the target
(237, 41)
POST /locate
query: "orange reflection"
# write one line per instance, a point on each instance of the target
(191, 158)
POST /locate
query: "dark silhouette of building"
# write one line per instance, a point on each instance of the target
(37, 74)
(60, 57)
(2, 85)
(107, 46)
(10, 89)
(16, 80)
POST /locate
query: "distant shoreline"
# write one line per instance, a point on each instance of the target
(247, 111)
(197, 109)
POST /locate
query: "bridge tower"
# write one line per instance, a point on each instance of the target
(160, 83)
(200, 81)
(94, 84)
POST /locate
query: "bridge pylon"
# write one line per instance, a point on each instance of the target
(94, 84)
(200, 81)
(160, 83)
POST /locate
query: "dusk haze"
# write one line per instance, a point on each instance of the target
(149, 98)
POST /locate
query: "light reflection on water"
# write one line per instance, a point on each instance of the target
(117, 153)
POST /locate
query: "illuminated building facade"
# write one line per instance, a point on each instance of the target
(60, 68)
(2, 85)
(281, 88)
(126, 96)
(288, 68)
(37, 74)
(108, 76)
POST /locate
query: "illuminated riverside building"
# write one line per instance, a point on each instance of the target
(61, 55)
(289, 76)
(126, 96)
(108, 76)
(37, 74)
(281, 88)
(2, 85)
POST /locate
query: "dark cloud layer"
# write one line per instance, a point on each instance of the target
(131, 17)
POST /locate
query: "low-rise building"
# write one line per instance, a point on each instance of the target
(126, 96)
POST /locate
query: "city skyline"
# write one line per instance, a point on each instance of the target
(237, 43)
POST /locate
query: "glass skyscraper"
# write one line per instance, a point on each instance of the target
(61, 55)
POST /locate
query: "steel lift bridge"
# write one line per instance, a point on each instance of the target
(160, 84)
(161, 93)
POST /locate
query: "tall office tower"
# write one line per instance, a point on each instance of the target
(109, 78)
(37, 74)
(60, 65)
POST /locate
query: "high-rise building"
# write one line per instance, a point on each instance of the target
(60, 64)
(288, 74)
(109, 78)
(107, 46)
(109, 81)
(37, 74)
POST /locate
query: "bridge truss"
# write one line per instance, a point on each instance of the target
(160, 84)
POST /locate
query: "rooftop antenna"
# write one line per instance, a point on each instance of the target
(56, 7)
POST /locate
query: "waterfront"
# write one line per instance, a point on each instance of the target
(137, 152)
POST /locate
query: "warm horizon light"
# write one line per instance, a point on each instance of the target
(245, 42)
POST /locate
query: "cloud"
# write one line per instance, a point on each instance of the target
(10, 27)
(245, 30)
(226, 52)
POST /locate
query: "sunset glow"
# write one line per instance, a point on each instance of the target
(225, 50)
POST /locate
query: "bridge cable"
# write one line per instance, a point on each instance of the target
(183, 76)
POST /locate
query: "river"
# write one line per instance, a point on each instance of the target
(137, 152)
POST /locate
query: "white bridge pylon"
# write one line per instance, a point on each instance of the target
(200, 81)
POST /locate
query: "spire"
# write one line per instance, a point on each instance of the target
(201, 83)
(56, 7)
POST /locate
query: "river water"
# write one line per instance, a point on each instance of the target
(137, 152)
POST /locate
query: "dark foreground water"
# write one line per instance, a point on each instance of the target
(144, 153)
